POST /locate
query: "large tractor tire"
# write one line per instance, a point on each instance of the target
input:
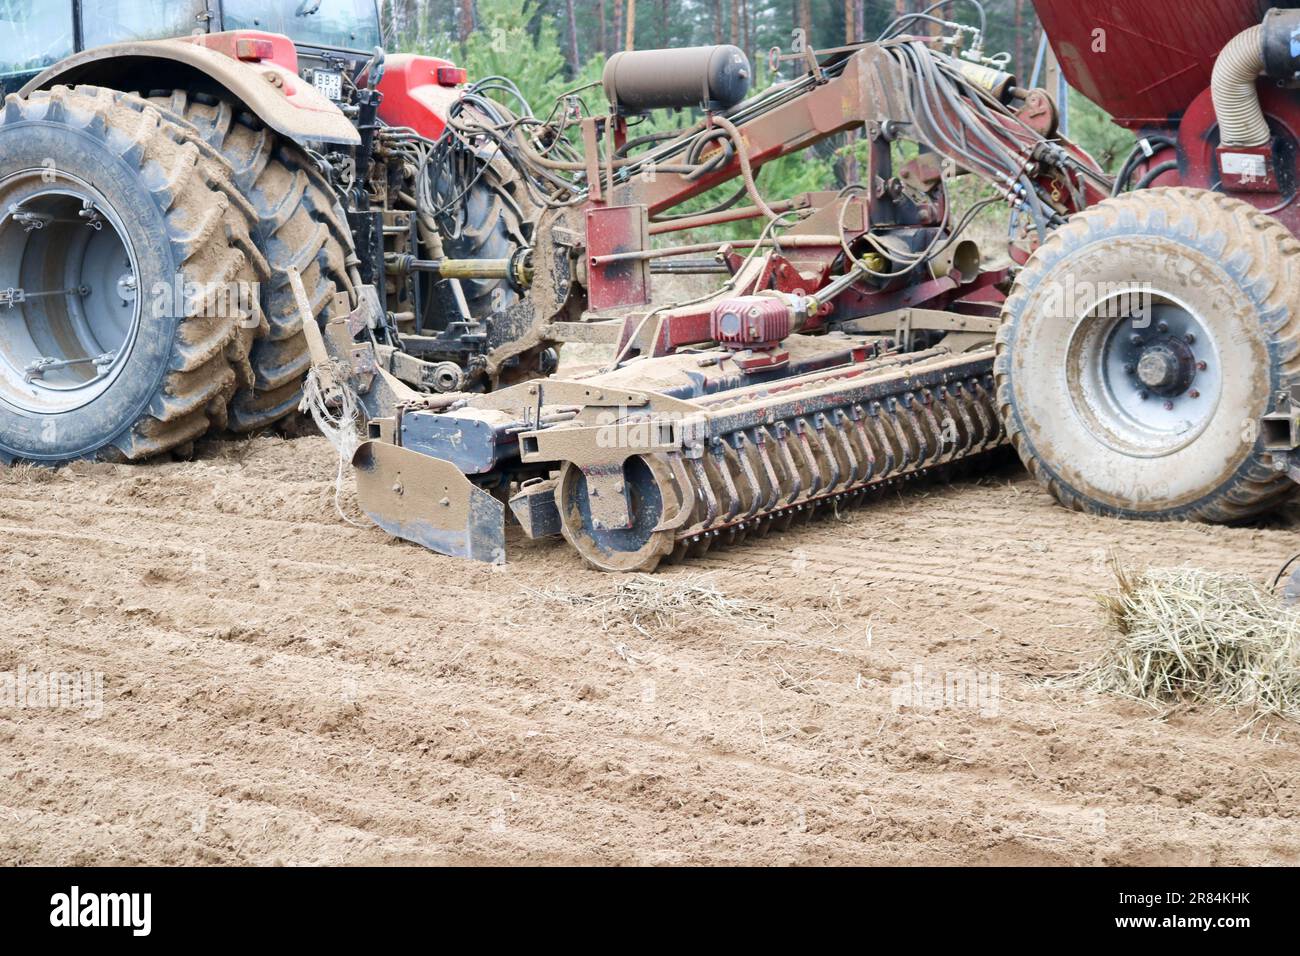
(483, 226)
(128, 280)
(299, 225)
(1140, 347)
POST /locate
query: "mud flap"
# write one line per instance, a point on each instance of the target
(430, 502)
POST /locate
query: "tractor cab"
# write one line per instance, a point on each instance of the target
(35, 34)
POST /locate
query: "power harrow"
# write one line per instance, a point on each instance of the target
(849, 348)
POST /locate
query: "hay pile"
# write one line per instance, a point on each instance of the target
(1189, 636)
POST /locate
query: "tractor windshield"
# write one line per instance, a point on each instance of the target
(345, 24)
(33, 34)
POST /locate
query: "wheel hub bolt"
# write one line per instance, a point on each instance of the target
(1169, 406)
(1190, 338)
(1201, 366)
(1162, 326)
(1194, 394)
(1135, 339)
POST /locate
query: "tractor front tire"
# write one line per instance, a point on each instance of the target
(1139, 349)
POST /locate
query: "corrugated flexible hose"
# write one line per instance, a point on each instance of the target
(1236, 101)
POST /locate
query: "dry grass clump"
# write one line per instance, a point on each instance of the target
(664, 601)
(1190, 636)
(27, 473)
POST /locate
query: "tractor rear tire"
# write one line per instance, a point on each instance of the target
(1139, 349)
(132, 280)
(299, 225)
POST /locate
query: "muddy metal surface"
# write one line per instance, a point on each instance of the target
(282, 687)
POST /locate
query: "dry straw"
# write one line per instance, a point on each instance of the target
(1190, 636)
(665, 601)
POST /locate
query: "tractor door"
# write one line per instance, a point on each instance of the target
(33, 35)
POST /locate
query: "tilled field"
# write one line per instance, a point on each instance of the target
(282, 687)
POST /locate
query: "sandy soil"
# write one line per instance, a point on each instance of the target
(283, 687)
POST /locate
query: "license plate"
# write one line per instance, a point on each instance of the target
(329, 83)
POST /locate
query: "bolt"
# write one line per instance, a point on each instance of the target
(1194, 393)
(1162, 326)
(1128, 368)
(1169, 406)
(1135, 339)
(1143, 396)
(1190, 338)
(1201, 366)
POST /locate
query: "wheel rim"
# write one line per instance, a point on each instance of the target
(70, 306)
(1144, 373)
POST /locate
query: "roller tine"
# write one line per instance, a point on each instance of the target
(741, 440)
(686, 492)
(946, 424)
(914, 402)
(796, 477)
(728, 483)
(856, 415)
(705, 488)
(904, 437)
(760, 442)
(805, 448)
(819, 425)
(926, 416)
(989, 404)
(991, 388)
(683, 477)
(982, 413)
(887, 447)
(957, 396)
(843, 430)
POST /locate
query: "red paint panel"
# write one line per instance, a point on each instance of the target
(415, 93)
(611, 230)
(1143, 61)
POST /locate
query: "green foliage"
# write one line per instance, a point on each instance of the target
(509, 42)
(1091, 127)
(504, 45)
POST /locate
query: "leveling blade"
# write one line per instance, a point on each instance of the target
(430, 502)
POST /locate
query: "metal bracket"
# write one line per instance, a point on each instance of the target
(30, 220)
(1280, 431)
(94, 219)
(38, 367)
(903, 322)
(600, 451)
